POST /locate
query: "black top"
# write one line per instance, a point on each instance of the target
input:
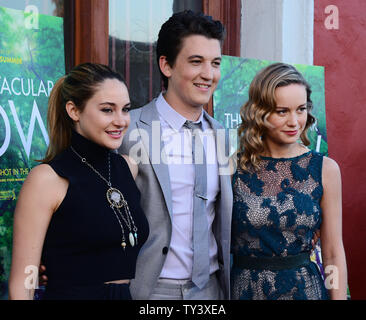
(83, 241)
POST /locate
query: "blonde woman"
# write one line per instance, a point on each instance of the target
(284, 193)
(79, 210)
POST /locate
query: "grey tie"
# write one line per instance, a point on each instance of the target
(201, 269)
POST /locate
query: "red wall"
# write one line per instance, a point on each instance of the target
(343, 54)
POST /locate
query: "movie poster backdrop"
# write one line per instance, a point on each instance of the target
(31, 60)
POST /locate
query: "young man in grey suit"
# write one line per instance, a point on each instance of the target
(186, 194)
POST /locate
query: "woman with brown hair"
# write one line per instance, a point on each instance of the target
(79, 210)
(284, 193)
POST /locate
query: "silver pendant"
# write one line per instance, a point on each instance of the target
(132, 239)
(115, 197)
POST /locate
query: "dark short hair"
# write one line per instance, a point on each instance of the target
(181, 25)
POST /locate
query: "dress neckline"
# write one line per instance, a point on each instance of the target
(287, 159)
(88, 149)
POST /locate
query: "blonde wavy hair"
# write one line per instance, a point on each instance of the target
(260, 105)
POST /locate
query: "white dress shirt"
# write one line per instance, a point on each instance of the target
(178, 149)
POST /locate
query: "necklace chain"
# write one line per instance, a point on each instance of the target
(83, 160)
(128, 220)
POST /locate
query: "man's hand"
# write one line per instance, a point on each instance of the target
(42, 277)
(315, 239)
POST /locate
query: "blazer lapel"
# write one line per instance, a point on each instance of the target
(150, 132)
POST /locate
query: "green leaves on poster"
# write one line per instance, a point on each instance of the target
(31, 60)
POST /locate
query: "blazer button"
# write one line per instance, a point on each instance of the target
(165, 250)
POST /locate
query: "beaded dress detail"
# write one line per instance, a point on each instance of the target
(276, 211)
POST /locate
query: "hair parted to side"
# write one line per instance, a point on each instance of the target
(78, 86)
(181, 25)
(260, 105)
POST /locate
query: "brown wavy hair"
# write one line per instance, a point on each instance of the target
(260, 105)
(78, 86)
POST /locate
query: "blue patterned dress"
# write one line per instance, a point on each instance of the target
(276, 212)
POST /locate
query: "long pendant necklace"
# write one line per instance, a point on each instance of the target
(116, 201)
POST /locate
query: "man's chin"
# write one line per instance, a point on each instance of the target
(200, 104)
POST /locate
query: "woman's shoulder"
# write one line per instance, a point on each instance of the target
(330, 166)
(42, 171)
(331, 173)
(44, 174)
(43, 185)
(331, 178)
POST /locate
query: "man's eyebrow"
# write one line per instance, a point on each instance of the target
(195, 56)
(201, 57)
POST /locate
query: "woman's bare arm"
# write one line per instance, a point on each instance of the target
(41, 194)
(333, 255)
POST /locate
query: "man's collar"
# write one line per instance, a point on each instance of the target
(172, 117)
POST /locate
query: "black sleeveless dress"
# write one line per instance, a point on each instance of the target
(82, 248)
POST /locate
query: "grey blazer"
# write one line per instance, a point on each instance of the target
(154, 183)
